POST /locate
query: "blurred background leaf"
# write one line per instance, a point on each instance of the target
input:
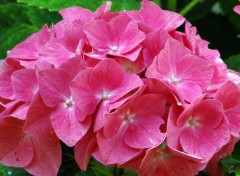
(9, 171)
(55, 5)
(13, 35)
(233, 63)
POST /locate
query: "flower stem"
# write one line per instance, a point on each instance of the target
(189, 6)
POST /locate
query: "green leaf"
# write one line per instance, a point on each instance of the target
(172, 5)
(233, 63)
(231, 164)
(55, 5)
(11, 13)
(14, 35)
(118, 5)
(39, 17)
(10, 171)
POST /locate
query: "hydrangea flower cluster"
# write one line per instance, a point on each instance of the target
(126, 88)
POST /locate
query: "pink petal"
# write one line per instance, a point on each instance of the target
(107, 74)
(132, 67)
(166, 60)
(209, 113)
(193, 69)
(152, 17)
(2, 107)
(144, 133)
(6, 90)
(83, 95)
(233, 118)
(25, 84)
(175, 67)
(203, 139)
(130, 36)
(229, 95)
(102, 10)
(204, 144)
(113, 150)
(39, 120)
(112, 124)
(158, 161)
(131, 55)
(189, 90)
(91, 86)
(67, 127)
(20, 156)
(24, 51)
(119, 36)
(54, 86)
(84, 148)
(21, 111)
(149, 116)
(13, 107)
(99, 35)
(55, 52)
(73, 66)
(173, 132)
(237, 9)
(76, 13)
(30, 47)
(129, 83)
(100, 116)
(15, 146)
(47, 158)
(153, 44)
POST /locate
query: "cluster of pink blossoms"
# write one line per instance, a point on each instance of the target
(126, 88)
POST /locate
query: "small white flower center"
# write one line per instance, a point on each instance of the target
(69, 103)
(114, 49)
(192, 122)
(127, 117)
(173, 79)
(105, 96)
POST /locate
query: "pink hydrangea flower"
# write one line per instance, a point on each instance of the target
(185, 74)
(151, 17)
(162, 160)
(19, 149)
(126, 88)
(69, 123)
(105, 86)
(197, 129)
(237, 9)
(131, 128)
(118, 37)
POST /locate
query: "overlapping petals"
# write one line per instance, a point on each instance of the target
(126, 88)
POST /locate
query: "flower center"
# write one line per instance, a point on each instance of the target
(127, 117)
(69, 103)
(192, 122)
(114, 49)
(105, 95)
(173, 79)
(160, 155)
